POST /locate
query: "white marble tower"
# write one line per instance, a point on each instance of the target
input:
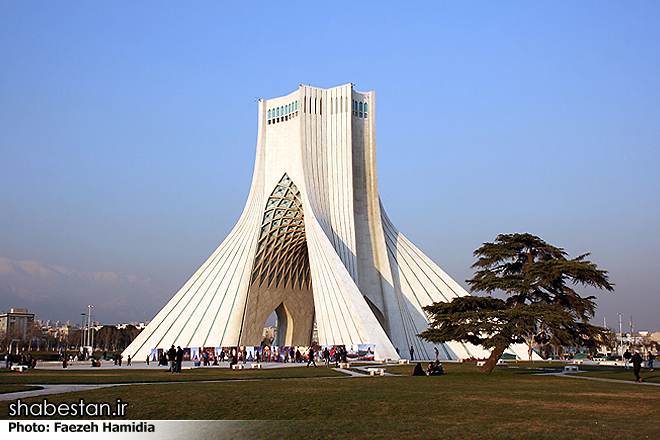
(313, 244)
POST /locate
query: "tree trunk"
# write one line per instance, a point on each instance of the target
(492, 360)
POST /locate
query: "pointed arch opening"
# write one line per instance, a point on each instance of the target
(280, 280)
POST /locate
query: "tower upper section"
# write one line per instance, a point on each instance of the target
(309, 100)
(324, 139)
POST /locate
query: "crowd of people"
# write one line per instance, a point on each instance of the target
(334, 354)
(24, 359)
(174, 357)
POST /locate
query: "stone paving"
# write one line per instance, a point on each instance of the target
(601, 379)
(51, 389)
(80, 365)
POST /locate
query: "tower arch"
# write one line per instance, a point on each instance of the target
(280, 280)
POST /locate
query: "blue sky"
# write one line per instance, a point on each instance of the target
(128, 131)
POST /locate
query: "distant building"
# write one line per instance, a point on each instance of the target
(65, 330)
(16, 323)
(270, 333)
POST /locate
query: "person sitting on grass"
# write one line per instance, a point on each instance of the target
(434, 369)
(419, 371)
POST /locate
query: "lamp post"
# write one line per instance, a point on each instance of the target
(89, 318)
(620, 335)
(632, 332)
(82, 331)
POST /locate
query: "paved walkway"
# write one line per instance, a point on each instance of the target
(51, 389)
(601, 379)
(109, 365)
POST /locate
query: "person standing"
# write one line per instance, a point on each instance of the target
(128, 361)
(637, 361)
(412, 352)
(651, 358)
(326, 357)
(179, 358)
(436, 354)
(310, 353)
(626, 357)
(147, 360)
(171, 356)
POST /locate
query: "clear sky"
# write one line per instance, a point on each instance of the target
(128, 133)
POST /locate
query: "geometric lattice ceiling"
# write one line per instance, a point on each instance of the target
(281, 259)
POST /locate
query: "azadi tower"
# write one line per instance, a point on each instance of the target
(313, 244)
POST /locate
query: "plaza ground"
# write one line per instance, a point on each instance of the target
(511, 402)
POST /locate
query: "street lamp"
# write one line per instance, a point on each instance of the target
(91, 336)
(89, 318)
(82, 332)
(620, 335)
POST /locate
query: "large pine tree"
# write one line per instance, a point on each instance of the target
(538, 281)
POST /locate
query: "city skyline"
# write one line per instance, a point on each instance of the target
(127, 139)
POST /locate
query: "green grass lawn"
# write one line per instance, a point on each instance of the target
(508, 403)
(133, 375)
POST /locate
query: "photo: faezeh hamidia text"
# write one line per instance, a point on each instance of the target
(59, 427)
